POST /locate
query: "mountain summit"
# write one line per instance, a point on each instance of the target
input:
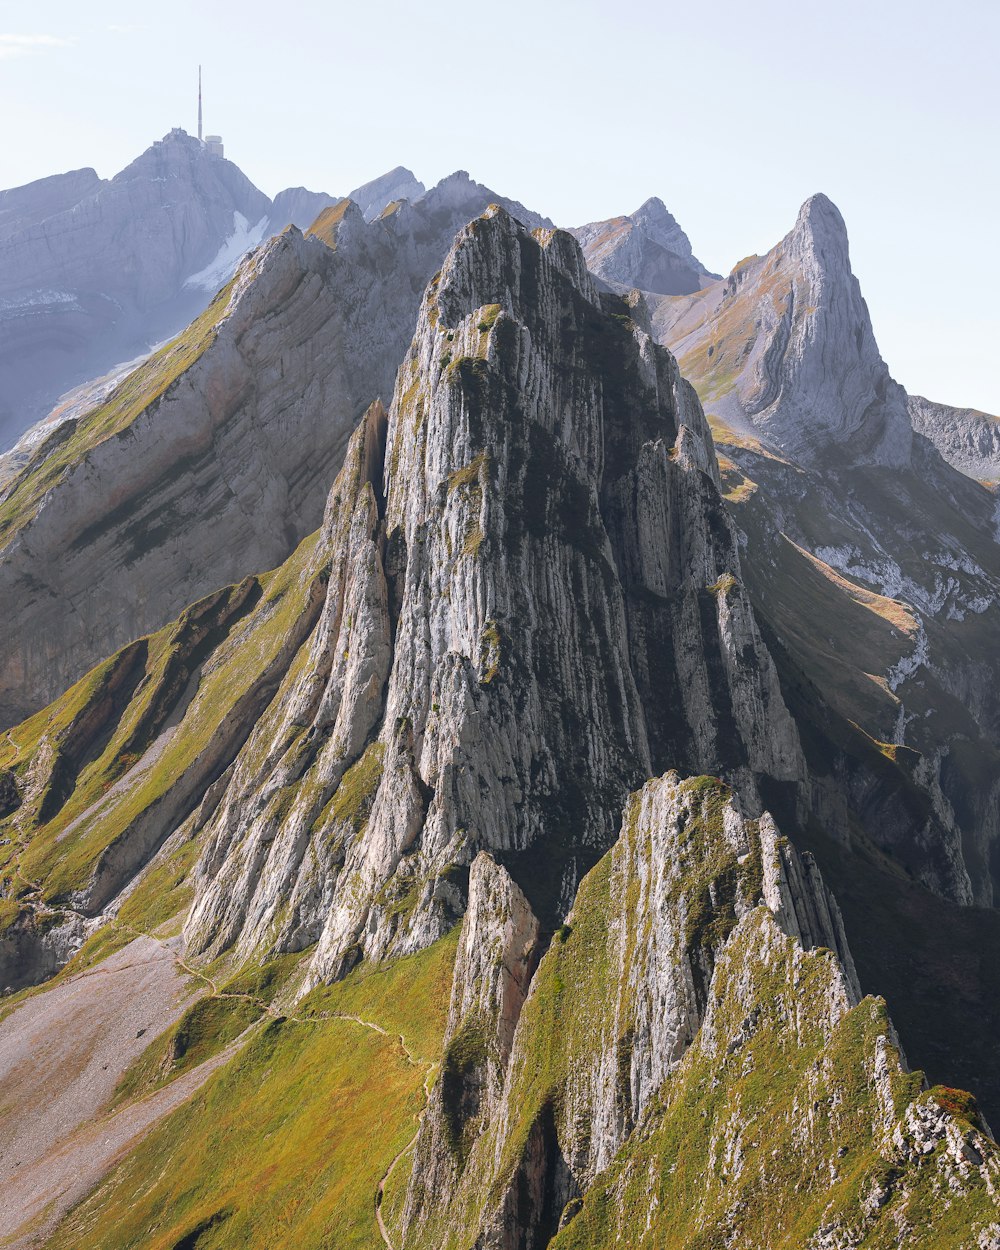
(648, 250)
(95, 272)
(785, 346)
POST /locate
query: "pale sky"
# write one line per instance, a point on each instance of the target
(733, 112)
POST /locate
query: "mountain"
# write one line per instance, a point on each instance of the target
(784, 348)
(471, 960)
(967, 438)
(472, 510)
(88, 283)
(873, 568)
(170, 488)
(648, 250)
(376, 196)
(296, 206)
(96, 272)
(506, 795)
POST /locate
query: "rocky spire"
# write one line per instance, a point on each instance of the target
(785, 344)
(553, 572)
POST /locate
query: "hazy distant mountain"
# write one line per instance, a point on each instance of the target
(647, 249)
(375, 196)
(298, 207)
(94, 272)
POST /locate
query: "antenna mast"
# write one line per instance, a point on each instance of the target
(199, 104)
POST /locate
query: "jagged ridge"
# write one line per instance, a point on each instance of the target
(515, 574)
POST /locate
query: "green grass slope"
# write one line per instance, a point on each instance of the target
(70, 442)
(786, 1133)
(115, 765)
(287, 1144)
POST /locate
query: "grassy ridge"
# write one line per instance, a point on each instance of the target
(70, 442)
(770, 1140)
(57, 842)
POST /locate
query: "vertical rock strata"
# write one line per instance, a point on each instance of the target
(693, 1057)
(170, 488)
(540, 594)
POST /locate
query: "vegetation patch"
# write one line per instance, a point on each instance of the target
(294, 1133)
(470, 474)
(353, 799)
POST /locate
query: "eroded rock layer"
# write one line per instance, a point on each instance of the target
(542, 603)
(693, 1058)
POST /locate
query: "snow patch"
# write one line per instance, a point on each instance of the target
(17, 305)
(221, 269)
(905, 669)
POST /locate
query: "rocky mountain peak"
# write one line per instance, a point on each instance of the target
(654, 219)
(510, 573)
(398, 184)
(93, 273)
(458, 192)
(298, 206)
(820, 234)
(785, 345)
(486, 266)
(647, 250)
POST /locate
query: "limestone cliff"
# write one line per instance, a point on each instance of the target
(171, 487)
(967, 438)
(874, 572)
(784, 346)
(524, 599)
(541, 603)
(693, 1056)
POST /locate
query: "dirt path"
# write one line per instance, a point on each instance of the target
(62, 1054)
(380, 1192)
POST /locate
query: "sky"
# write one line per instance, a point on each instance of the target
(733, 113)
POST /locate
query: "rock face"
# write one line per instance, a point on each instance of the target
(244, 418)
(785, 361)
(29, 205)
(297, 206)
(525, 598)
(376, 196)
(647, 250)
(549, 508)
(95, 272)
(180, 497)
(702, 954)
(874, 571)
(968, 439)
(784, 347)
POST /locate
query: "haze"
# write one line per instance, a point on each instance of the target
(733, 114)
